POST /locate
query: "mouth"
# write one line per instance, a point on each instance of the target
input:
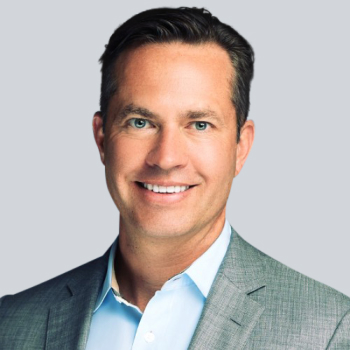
(163, 189)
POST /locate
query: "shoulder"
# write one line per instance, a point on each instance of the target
(284, 280)
(295, 306)
(296, 286)
(24, 317)
(40, 297)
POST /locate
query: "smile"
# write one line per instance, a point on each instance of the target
(165, 189)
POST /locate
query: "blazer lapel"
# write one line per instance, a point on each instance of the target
(230, 312)
(70, 318)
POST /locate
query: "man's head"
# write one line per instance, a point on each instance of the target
(168, 133)
(185, 25)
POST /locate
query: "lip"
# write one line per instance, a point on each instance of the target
(162, 198)
(164, 183)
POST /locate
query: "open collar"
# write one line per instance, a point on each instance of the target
(202, 271)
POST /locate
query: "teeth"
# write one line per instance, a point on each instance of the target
(164, 189)
(170, 189)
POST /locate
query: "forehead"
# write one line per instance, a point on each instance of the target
(152, 62)
(174, 79)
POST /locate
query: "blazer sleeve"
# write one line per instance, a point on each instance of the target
(341, 337)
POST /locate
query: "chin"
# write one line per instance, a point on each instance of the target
(165, 228)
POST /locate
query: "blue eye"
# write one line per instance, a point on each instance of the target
(201, 125)
(138, 123)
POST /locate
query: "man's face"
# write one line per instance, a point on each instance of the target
(169, 146)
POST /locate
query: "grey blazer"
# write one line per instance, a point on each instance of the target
(255, 303)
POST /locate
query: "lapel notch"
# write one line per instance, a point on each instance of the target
(70, 318)
(69, 323)
(228, 318)
(232, 311)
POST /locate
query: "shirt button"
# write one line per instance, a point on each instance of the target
(149, 337)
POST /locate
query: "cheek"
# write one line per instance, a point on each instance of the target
(215, 160)
(123, 157)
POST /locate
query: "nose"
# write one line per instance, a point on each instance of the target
(169, 150)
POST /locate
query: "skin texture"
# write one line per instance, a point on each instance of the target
(180, 97)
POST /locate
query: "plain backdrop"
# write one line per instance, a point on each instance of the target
(292, 198)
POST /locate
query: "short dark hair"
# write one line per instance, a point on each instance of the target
(185, 25)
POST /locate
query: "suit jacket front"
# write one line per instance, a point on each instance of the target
(255, 303)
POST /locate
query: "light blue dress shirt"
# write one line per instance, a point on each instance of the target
(170, 317)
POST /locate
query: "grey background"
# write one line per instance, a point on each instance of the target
(291, 199)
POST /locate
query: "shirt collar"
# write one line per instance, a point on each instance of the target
(209, 262)
(107, 284)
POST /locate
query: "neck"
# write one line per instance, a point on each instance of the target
(143, 264)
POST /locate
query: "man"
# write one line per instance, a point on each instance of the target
(172, 134)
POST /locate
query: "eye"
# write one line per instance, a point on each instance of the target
(138, 123)
(201, 125)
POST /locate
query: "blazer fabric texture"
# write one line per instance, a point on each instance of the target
(255, 303)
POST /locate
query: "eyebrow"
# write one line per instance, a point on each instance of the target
(133, 109)
(200, 114)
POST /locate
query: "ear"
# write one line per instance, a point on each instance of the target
(97, 125)
(245, 144)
